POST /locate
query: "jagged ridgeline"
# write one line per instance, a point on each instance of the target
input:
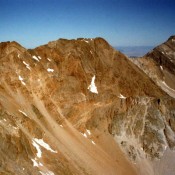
(80, 107)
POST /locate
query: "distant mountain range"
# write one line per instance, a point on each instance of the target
(134, 51)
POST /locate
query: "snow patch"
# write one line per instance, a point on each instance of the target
(92, 86)
(121, 96)
(44, 144)
(22, 112)
(48, 59)
(40, 164)
(21, 79)
(39, 153)
(35, 163)
(161, 67)
(39, 57)
(27, 65)
(35, 58)
(88, 131)
(61, 126)
(85, 135)
(93, 142)
(50, 70)
(23, 83)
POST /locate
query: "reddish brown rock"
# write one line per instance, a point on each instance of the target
(70, 106)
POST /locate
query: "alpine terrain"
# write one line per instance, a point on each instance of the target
(80, 107)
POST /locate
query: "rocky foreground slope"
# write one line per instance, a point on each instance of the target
(80, 107)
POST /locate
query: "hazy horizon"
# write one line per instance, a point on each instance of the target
(134, 51)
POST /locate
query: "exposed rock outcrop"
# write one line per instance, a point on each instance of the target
(164, 55)
(159, 65)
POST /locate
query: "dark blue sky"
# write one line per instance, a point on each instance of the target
(120, 22)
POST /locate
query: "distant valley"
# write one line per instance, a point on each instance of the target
(134, 51)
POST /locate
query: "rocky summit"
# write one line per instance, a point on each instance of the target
(80, 107)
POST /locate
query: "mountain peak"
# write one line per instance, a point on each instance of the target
(171, 38)
(71, 106)
(9, 47)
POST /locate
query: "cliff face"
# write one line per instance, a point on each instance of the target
(164, 54)
(159, 65)
(70, 106)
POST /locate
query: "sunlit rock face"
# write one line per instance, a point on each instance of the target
(159, 65)
(164, 54)
(80, 107)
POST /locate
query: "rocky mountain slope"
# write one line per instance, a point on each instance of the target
(159, 65)
(80, 107)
